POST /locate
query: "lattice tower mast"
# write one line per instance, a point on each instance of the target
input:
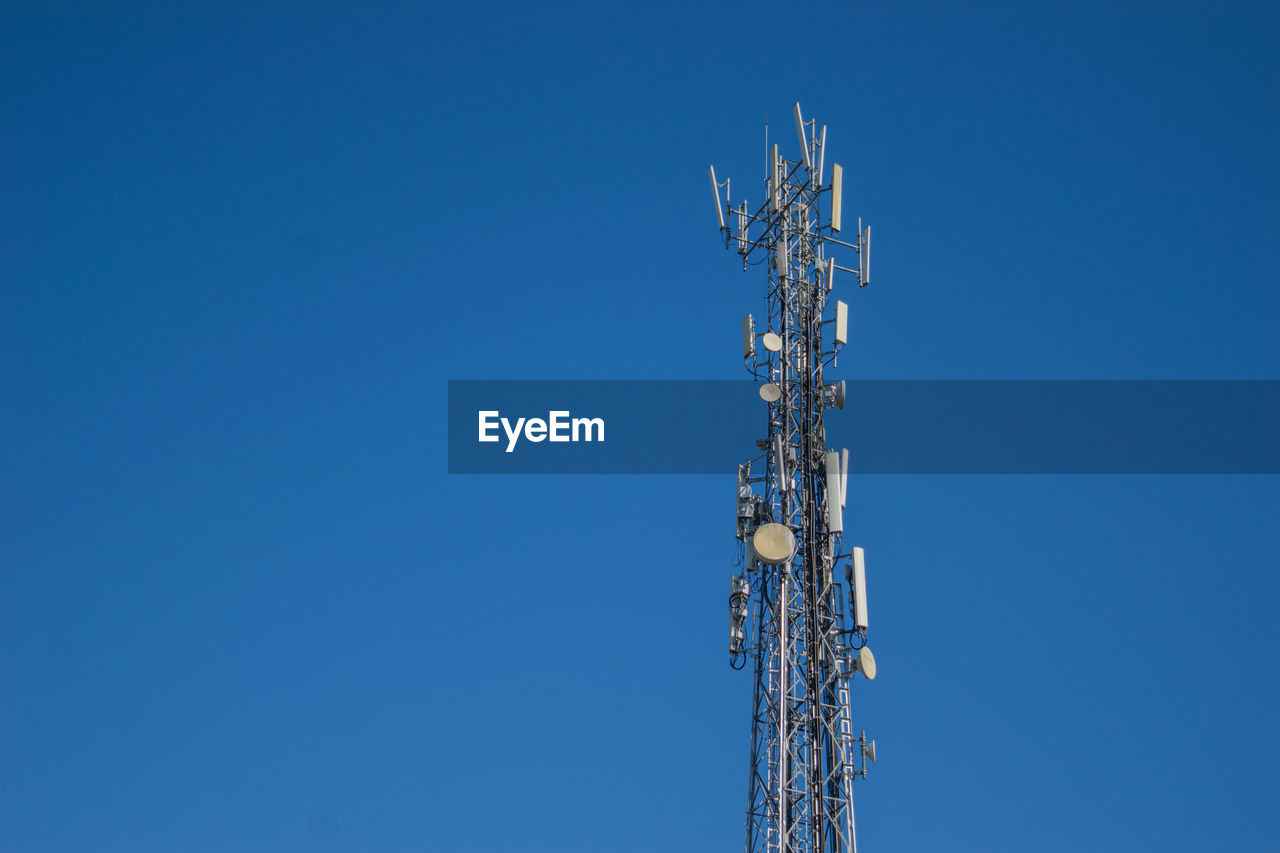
(787, 610)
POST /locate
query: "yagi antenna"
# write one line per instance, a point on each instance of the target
(804, 138)
(715, 188)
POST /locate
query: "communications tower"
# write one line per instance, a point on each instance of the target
(804, 632)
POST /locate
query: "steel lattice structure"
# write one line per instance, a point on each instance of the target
(787, 610)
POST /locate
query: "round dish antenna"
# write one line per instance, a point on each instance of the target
(772, 342)
(774, 544)
(770, 393)
(865, 663)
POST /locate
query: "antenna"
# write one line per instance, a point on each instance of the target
(774, 543)
(837, 188)
(804, 139)
(865, 259)
(739, 601)
(844, 477)
(715, 188)
(865, 663)
(775, 178)
(859, 590)
(780, 463)
(836, 390)
(841, 335)
(822, 153)
(835, 518)
(748, 336)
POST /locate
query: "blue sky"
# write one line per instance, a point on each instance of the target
(243, 250)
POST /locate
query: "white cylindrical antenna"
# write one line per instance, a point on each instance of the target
(866, 257)
(835, 518)
(837, 187)
(844, 477)
(804, 138)
(842, 323)
(780, 463)
(822, 152)
(775, 178)
(748, 336)
(859, 591)
(831, 274)
(715, 188)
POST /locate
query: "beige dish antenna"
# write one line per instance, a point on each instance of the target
(772, 342)
(770, 393)
(774, 544)
(865, 663)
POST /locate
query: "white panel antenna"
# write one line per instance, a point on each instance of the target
(780, 463)
(822, 152)
(775, 179)
(783, 252)
(804, 138)
(844, 477)
(859, 591)
(748, 336)
(842, 323)
(865, 259)
(835, 518)
(715, 188)
(837, 188)
(830, 274)
(742, 229)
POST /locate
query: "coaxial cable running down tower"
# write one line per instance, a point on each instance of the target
(788, 613)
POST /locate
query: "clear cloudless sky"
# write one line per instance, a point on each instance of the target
(243, 246)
